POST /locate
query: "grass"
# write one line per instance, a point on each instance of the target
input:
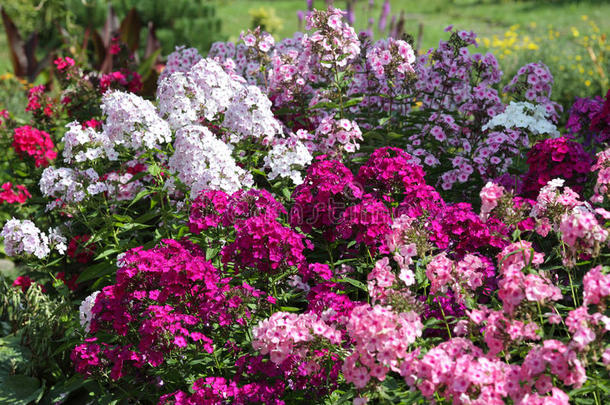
(533, 20)
(486, 18)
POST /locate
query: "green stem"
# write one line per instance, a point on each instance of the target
(445, 319)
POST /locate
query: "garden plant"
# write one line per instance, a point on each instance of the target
(325, 218)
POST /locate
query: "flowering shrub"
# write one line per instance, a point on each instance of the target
(323, 219)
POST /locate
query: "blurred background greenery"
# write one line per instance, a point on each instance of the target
(570, 36)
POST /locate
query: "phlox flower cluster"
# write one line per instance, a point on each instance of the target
(452, 79)
(534, 82)
(37, 144)
(24, 237)
(171, 297)
(284, 334)
(83, 144)
(380, 342)
(65, 185)
(319, 201)
(515, 286)
(202, 161)
(602, 166)
(85, 310)
(133, 123)
(588, 119)
(181, 60)
(582, 234)
(11, 195)
(463, 277)
(385, 67)
(286, 158)
(525, 116)
(333, 43)
(554, 200)
(39, 104)
(490, 194)
(334, 137)
(553, 158)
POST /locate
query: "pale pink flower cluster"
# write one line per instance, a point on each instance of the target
(515, 286)
(463, 277)
(380, 279)
(402, 248)
(286, 334)
(181, 60)
(459, 370)
(336, 136)
(381, 340)
(490, 194)
(334, 42)
(391, 59)
(552, 200)
(262, 41)
(581, 232)
(601, 189)
(587, 327)
(501, 331)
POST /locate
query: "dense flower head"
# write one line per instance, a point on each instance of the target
(132, 122)
(38, 103)
(19, 194)
(582, 233)
(333, 42)
(600, 122)
(525, 116)
(263, 244)
(68, 186)
(123, 79)
(380, 342)
(516, 286)
(285, 159)
(34, 143)
(326, 190)
(534, 82)
(596, 286)
(334, 137)
(284, 334)
(552, 158)
(390, 171)
(201, 161)
(582, 113)
(463, 231)
(181, 60)
(172, 297)
(23, 237)
(368, 222)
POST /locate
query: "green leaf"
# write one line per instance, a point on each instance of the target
(355, 283)
(96, 271)
(20, 390)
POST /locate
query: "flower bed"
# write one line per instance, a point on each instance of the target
(327, 218)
